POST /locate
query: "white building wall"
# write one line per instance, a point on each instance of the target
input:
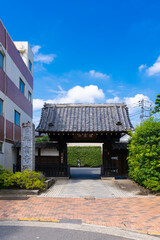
(26, 52)
(10, 106)
(14, 74)
(8, 155)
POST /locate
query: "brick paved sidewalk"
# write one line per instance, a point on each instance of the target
(140, 214)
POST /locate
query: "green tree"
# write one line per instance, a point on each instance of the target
(157, 104)
(45, 138)
(144, 154)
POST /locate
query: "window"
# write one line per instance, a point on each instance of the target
(29, 96)
(1, 107)
(21, 85)
(1, 147)
(30, 66)
(17, 118)
(1, 60)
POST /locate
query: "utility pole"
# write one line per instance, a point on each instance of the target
(150, 110)
(141, 104)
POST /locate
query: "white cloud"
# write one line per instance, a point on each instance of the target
(154, 69)
(77, 94)
(134, 101)
(44, 58)
(113, 100)
(40, 57)
(38, 104)
(134, 107)
(35, 49)
(82, 94)
(142, 66)
(100, 75)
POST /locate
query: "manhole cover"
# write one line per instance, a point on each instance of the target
(75, 221)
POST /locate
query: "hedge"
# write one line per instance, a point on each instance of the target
(144, 154)
(89, 156)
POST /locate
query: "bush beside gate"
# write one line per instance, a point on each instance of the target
(144, 154)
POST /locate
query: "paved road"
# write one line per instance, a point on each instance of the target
(31, 233)
(30, 230)
(86, 182)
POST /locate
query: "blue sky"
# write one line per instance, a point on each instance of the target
(90, 51)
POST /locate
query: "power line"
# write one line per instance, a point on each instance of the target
(145, 107)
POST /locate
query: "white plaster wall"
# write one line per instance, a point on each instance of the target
(49, 152)
(14, 74)
(45, 152)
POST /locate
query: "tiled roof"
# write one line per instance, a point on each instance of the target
(84, 118)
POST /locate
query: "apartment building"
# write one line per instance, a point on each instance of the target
(16, 89)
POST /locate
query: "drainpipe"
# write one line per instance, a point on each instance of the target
(4, 109)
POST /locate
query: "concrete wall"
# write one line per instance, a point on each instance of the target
(8, 157)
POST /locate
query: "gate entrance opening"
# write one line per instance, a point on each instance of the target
(85, 160)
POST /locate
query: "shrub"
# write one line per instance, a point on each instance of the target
(144, 154)
(21, 180)
(6, 180)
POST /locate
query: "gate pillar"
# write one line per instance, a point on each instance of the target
(107, 162)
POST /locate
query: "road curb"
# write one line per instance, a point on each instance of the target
(38, 220)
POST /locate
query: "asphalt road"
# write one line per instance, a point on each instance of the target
(34, 233)
(32, 230)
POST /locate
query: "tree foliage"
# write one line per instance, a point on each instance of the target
(144, 154)
(45, 138)
(157, 104)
